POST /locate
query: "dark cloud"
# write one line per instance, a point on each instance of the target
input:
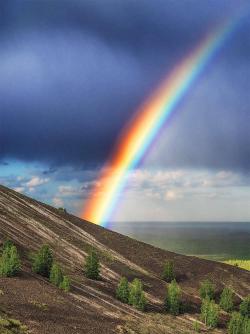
(73, 72)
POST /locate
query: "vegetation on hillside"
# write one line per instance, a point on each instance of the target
(129, 293)
(226, 300)
(136, 295)
(245, 307)
(43, 261)
(173, 298)
(244, 264)
(11, 326)
(238, 324)
(92, 265)
(10, 263)
(168, 271)
(122, 291)
(210, 313)
(207, 289)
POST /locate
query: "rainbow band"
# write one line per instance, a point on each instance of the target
(138, 135)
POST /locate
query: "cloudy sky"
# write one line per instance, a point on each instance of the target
(72, 73)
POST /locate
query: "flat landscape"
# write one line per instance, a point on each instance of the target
(91, 306)
(215, 241)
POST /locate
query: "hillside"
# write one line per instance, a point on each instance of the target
(91, 306)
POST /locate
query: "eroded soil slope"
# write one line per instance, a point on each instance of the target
(91, 306)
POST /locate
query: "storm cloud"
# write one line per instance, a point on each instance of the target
(72, 73)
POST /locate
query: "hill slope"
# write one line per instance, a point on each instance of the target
(91, 306)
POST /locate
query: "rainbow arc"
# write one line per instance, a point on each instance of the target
(142, 129)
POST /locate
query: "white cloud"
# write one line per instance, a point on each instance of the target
(36, 181)
(19, 189)
(58, 202)
(172, 195)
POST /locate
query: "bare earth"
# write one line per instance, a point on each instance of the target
(91, 306)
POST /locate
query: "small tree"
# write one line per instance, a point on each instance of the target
(235, 323)
(207, 289)
(10, 261)
(65, 285)
(168, 271)
(209, 312)
(173, 299)
(7, 244)
(246, 325)
(122, 291)
(245, 307)
(92, 265)
(42, 261)
(136, 295)
(226, 300)
(56, 275)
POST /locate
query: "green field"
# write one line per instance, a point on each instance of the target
(228, 242)
(245, 264)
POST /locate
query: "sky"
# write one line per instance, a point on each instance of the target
(73, 73)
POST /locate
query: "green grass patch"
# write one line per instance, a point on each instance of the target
(11, 326)
(245, 264)
(41, 306)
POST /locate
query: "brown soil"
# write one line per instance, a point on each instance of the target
(91, 306)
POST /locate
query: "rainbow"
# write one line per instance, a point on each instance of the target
(142, 129)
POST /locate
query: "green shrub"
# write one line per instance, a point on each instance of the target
(56, 275)
(122, 291)
(168, 271)
(245, 307)
(43, 261)
(207, 289)
(65, 284)
(246, 325)
(136, 295)
(226, 300)
(209, 313)
(235, 323)
(62, 210)
(173, 299)
(10, 261)
(7, 244)
(92, 265)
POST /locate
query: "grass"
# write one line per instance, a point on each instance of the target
(11, 326)
(41, 306)
(245, 264)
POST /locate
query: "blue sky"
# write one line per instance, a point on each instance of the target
(72, 73)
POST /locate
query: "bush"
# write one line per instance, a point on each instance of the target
(168, 271)
(7, 244)
(62, 210)
(246, 325)
(207, 289)
(136, 295)
(43, 261)
(245, 307)
(173, 299)
(226, 300)
(122, 291)
(235, 323)
(65, 284)
(209, 313)
(92, 265)
(56, 275)
(10, 261)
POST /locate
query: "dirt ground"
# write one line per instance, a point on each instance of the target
(91, 306)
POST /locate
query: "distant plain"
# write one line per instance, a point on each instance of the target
(214, 241)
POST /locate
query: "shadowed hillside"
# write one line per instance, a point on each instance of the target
(91, 306)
